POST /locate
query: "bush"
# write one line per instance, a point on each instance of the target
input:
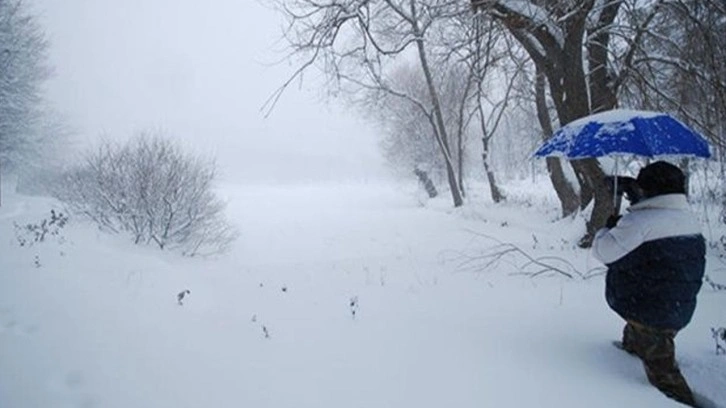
(152, 190)
(33, 233)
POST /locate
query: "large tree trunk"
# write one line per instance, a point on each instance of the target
(603, 96)
(566, 192)
(568, 82)
(603, 206)
(570, 96)
(441, 134)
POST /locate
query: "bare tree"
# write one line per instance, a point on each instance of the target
(152, 190)
(23, 70)
(485, 55)
(681, 65)
(681, 68)
(463, 58)
(456, 84)
(478, 47)
(409, 143)
(358, 41)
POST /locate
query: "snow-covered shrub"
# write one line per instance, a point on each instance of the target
(152, 190)
(33, 233)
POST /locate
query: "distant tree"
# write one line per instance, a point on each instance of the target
(477, 48)
(152, 190)
(487, 47)
(409, 138)
(408, 141)
(359, 42)
(23, 70)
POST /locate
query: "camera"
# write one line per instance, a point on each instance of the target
(626, 186)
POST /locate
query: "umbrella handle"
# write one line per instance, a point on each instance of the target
(616, 208)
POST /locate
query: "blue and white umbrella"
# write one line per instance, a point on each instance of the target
(624, 133)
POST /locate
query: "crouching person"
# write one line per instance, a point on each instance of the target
(655, 255)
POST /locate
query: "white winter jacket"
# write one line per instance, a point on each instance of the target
(650, 219)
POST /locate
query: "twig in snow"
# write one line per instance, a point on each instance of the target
(180, 296)
(719, 336)
(715, 286)
(354, 306)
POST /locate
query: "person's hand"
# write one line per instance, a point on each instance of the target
(612, 221)
(626, 186)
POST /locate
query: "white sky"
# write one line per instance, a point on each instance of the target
(199, 71)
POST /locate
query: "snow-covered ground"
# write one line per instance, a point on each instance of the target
(334, 296)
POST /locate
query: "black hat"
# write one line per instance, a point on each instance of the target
(661, 178)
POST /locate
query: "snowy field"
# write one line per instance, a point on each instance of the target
(337, 296)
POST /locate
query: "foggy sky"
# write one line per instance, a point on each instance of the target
(199, 71)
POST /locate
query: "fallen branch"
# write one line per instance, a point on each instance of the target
(525, 263)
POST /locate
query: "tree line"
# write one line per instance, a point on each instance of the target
(446, 80)
(434, 74)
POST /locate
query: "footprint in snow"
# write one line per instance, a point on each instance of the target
(706, 376)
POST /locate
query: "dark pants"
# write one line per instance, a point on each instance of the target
(657, 350)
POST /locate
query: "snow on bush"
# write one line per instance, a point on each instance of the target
(152, 190)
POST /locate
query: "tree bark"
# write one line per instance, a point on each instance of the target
(603, 206)
(602, 91)
(569, 87)
(574, 103)
(603, 96)
(566, 193)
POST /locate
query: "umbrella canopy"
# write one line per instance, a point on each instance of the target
(625, 132)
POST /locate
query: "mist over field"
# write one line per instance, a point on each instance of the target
(201, 74)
